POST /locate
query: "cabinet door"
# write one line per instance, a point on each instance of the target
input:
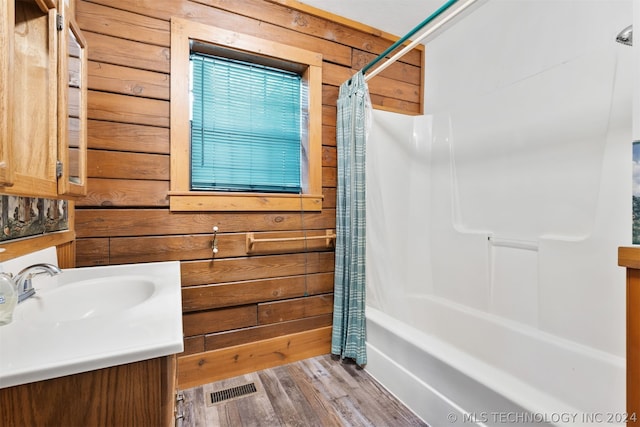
(32, 129)
(6, 92)
(72, 109)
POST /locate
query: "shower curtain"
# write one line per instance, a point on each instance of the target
(349, 326)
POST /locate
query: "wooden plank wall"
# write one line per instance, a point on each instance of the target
(238, 299)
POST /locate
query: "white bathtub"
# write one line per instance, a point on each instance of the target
(465, 367)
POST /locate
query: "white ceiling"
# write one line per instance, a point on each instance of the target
(397, 17)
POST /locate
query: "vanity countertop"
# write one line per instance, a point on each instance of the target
(132, 312)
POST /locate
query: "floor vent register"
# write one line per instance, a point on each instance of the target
(232, 393)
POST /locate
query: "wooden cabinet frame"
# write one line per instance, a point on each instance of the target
(34, 55)
(32, 129)
(6, 91)
(45, 5)
(34, 103)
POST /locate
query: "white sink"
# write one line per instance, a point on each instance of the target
(91, 318)
(79, 300)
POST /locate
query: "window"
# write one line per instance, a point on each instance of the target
(245, 126)
(246, 122)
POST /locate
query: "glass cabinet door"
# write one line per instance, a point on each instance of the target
(72, 111)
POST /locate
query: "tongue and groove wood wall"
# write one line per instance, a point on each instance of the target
(239, 299)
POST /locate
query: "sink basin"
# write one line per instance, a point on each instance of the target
(88, 298)
(92, 318)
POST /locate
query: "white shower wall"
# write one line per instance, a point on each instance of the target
(510, 196)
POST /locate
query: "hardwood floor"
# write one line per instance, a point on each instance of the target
(314, 392)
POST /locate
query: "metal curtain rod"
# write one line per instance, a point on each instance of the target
(406, 37)
(428, 32)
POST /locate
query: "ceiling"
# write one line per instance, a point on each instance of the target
(397, 17)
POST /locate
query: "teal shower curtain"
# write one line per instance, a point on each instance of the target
(349, 326)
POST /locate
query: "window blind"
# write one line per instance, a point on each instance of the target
(245, 126)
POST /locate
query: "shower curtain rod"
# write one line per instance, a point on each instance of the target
(436, 26)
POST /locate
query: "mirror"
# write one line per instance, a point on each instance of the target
(73, 122)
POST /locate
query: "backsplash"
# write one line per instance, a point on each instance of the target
(30, 216)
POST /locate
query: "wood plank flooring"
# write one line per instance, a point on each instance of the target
(314, 392)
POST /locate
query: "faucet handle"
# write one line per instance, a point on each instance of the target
(23, 279)
(24, 294)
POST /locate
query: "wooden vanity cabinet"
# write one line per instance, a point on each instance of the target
(134, 394)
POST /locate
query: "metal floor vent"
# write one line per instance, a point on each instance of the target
(233, 392)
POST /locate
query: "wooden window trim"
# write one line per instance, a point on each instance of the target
(180, 196)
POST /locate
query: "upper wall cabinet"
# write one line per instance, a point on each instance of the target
(72, 109)
(44, 109)
(33, 98)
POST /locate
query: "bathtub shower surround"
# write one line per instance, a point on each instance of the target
(494, 220)
(30, 216)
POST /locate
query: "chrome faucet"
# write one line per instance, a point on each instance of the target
(23, 279)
